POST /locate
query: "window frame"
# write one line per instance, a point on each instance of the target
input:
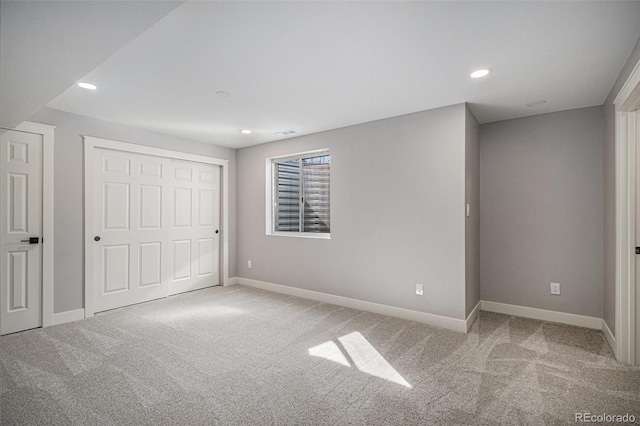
(271, 197)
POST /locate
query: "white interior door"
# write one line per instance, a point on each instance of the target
(195, 234)
(637, 281)
(129, 245)
(156, 227)
(20, 219)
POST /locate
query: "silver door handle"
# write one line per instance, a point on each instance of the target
(31, 240)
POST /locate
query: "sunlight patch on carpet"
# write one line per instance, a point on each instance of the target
(330, 351)
(365, 357)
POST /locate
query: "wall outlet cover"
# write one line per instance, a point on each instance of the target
(420, 289)
(555, 288)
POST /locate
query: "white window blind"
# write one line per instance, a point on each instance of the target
(302, 194)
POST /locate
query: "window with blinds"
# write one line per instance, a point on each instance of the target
(301, 194)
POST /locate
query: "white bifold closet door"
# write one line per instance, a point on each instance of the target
(156, 226)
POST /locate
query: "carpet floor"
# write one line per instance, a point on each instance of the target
(243, 356)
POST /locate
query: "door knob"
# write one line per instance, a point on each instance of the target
(637, 250)
(96, 238)
(217, 231)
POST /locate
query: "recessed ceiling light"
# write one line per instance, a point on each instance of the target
(537, 103)
(480, 73)
(222, 94)
(245, 131)
(87, 86)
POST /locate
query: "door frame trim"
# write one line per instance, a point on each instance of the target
(626, 103)
(90, 144)
(47, 267)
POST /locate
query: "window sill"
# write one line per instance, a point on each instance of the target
(300, 235)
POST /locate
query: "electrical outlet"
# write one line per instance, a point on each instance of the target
(249, 264)
(555, 288)
(420, 289)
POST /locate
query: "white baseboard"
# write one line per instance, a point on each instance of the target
(68, 316)
(542, 314)
(377, 308)
(611, 339)
(231, 281)
(472, 316)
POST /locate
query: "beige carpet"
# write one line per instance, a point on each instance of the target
(241, 356)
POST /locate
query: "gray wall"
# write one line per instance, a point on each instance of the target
(69, 195)
(610, 191)
(397, 214)
(541, 211)
(472, 223)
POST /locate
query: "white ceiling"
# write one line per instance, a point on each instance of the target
(45, 46)
(314, 66)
